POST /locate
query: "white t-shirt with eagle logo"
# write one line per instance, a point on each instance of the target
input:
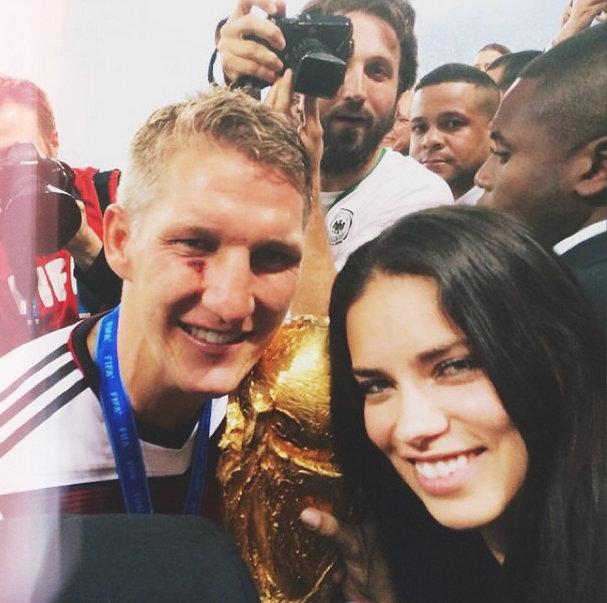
(397, 186)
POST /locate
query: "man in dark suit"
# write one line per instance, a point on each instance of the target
(548, 162)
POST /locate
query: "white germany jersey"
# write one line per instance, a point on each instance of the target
(397, 186)
(52, 431)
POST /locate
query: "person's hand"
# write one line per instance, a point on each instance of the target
(585, 11)
(364, 574)
(85, 245)
(566, 14)
(244, 57)
(311, 131)
(579, 15)
(303, 111)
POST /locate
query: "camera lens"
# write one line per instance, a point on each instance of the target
(316, 71)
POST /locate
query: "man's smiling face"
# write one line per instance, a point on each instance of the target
(211, 268)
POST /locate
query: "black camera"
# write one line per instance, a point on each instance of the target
(317, 50)
(38, 211)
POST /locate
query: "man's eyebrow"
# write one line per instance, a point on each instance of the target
(452, 113)
(387, 59)
(497, 136)
(204, 232)
(282, 246)
(186, 228)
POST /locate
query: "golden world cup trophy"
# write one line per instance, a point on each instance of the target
(276, 459)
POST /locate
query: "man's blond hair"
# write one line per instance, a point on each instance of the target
(227, 117)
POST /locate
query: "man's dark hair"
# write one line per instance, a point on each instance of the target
(459, 72)
(570, 82)
(399, 14)
(512, 65)
(497, 47)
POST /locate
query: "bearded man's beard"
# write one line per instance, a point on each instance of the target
(350, 149)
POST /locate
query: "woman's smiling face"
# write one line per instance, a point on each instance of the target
(429, 406)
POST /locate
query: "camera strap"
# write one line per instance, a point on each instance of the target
(122, 431)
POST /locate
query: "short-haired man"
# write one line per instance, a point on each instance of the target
(548, 163)
(451, 110)
(487, 54)
(365, 187)
(50, 301)
(505, 69)
(207, 237)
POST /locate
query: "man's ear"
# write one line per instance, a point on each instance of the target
(588, 168)
(116, 235)
(52, 144)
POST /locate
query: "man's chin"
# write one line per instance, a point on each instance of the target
(215, 387)
(348, 138)
(349, 150)
(220, 380)
(345, 157)
(440, 168)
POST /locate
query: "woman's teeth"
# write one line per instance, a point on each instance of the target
(442, 468)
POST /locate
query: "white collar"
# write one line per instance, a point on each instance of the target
(580, 236)
(327, 198)
(470, 197)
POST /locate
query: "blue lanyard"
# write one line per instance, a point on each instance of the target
(122, 432)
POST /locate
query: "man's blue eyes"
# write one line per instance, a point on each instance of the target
(198, 244)
(262, 259)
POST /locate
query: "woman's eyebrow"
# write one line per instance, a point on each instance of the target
(442, 350)
(365, 372)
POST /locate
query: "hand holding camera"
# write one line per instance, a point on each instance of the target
(241, 56)
(256, 51)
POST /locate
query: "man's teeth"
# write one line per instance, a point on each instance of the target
(441, 468)
(216, 337)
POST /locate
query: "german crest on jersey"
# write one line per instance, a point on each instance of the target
(340, 226)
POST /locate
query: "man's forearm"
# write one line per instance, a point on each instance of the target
(317, 267)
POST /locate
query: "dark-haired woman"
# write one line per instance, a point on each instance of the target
(469, 414)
